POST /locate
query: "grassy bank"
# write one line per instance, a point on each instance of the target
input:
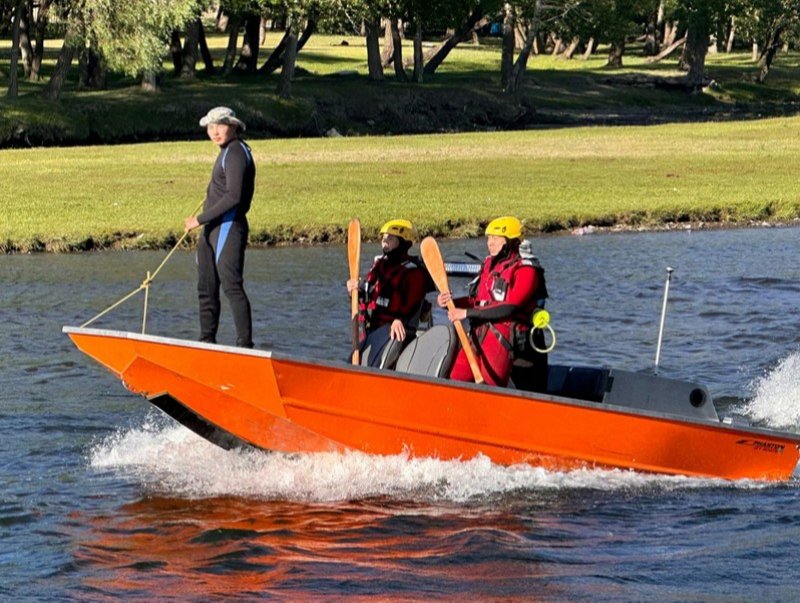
(307, 189)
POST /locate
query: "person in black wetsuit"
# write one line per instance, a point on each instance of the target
(221, 245)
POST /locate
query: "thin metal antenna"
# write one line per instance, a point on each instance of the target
(663, 318)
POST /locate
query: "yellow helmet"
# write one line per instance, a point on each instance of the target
(400, 228)
(507, 226)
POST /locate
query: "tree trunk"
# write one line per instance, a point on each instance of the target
(615, 52)
(755, 51)
(289, 57)
(670, 32)
(275, 59)
(507, 47)
(149, 81)
(388, 44)
(397, 54)
(189, 54)
(521, 64)
(419, 57)
(374, 63)
(248, 58)
(233, 41)
(92, 69)
(589, 50)
(25, 48)
(570, 50)
(52, 91)
(208, 61)
(176, 51)
(694, 53)
(666, 52)
(460, 35)
(38, 49)
(773, 43)
(731, 35)
(13, 81)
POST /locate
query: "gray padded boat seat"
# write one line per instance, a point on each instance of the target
(380, 351)
(431, 353)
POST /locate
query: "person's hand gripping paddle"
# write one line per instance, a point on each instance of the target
(354, 258)
(435, 265)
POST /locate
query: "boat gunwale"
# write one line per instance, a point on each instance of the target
(505, 392)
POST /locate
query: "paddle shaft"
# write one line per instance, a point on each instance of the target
(435, 265)
(354, 258)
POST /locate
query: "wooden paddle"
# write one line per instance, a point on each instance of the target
(354, 257)
(435, 265)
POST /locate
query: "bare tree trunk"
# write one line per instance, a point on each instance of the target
(397, 55)
(248, 58)
(462, 34)
(208, 60)
(558, 45)
(419, 57)
(189, 54)
(694, 53)
(515, 83)
(374, 63)
(13, 81)
(670, 32)
(731, 35)
(589, 50)
(289, 58)
(52, 90)
(667, 51)
(276, 59)
(387, 55)
(92, 69)
(25, 48)
(615, 52)
(507, 48)
(149, 81)
(755, 51)
(38, 50)
(233, 23)
(176, 51)
(773, 43)
(570, 50)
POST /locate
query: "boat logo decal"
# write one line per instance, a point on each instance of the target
(763, 446)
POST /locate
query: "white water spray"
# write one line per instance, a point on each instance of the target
(776, 399)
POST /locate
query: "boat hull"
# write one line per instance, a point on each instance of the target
(278, 402)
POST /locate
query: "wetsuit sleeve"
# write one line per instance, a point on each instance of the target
(520, 292)
(234, 166)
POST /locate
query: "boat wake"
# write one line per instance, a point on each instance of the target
(168, 459)
(776, 398)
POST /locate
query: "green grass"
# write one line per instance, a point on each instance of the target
(307, 189)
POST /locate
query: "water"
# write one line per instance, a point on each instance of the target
(103, 498)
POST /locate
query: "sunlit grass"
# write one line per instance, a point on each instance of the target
(307, 189)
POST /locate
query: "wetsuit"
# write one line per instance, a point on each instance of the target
(221, 245)
(501, 306)
(395, 288)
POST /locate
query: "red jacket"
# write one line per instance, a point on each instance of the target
(506, 296)
(394, 289)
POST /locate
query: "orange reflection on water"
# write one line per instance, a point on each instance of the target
(196, 549)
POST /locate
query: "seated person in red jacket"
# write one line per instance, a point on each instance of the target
(508, 290)
(394, 290)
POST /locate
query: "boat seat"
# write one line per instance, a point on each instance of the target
(380, 350)
(431, 353)
(578, 382)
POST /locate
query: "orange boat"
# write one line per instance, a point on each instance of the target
(588, 417)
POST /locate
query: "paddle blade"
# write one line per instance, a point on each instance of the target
(354, 246)
(432, 257)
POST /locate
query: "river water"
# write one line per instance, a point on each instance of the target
(102, 497)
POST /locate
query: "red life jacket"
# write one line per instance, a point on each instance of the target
(389, 294)
(494, 285)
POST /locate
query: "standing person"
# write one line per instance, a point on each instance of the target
(394, 290)
(221, 245)
(499, 307)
